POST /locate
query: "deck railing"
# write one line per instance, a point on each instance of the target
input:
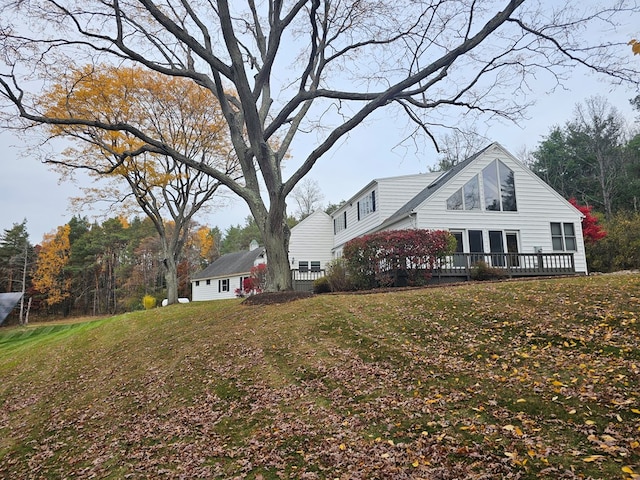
(514, 264)
(303, 279)
(459, 265)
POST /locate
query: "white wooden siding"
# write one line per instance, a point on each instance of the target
(391, 194)
(312, 240)
(203, 291)
(538, 205)
(395, 192)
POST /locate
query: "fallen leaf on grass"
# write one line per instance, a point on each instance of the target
(593, 458)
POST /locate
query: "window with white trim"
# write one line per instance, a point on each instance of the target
(340, 222)
(223, 285)
(499, 187)
(303, 266)
(367, 205)
(315, 266)
(563, 237)
(467, 197)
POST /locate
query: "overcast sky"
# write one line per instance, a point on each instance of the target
(31, 190)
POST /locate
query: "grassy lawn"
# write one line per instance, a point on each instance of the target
(523, 380)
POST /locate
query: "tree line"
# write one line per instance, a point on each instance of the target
(90, 268)
(594, 158)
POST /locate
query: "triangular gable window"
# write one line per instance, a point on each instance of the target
(467, 197)
(497, 184)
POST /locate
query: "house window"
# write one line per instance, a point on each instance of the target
(367, 205)
(223, 285)
(340, 222)
(563, 236)
(197, 283)
(454, 202)
(471, 192)
(467, 197)
(499, 187)
(303, 266)
(209, 282)
(315, 266)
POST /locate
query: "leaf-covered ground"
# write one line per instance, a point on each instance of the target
(534, 379)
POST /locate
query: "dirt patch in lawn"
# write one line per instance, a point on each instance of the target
(271, 298)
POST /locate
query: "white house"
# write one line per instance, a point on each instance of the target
(221, 279)
(311, 243)
(497, 209)
(490, 202)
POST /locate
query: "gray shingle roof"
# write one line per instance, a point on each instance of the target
(230, 264)
(432, 188)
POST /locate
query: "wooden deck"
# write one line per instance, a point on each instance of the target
(459, 265)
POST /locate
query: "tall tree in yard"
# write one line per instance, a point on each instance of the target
(311, 70)
(15, 250)
(599, 134)
(587, 158)
(51, 277)
(183, 114)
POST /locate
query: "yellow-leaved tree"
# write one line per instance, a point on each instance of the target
(207, 244)
(49, 277)
(184, 114)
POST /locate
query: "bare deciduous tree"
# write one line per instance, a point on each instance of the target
(457, 146)
(308, 197)
(314, 68)
(600, 130)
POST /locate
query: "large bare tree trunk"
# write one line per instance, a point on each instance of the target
(276, 242)
(276, 234)
(171, 278)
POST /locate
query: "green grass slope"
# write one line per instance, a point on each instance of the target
(533, 379)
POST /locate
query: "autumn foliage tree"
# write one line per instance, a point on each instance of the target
(592, 231)
(50, 277)
(307, 73)
(184, 114)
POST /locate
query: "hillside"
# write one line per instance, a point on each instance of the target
(532, 379)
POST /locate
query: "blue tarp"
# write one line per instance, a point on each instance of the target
(7, 303)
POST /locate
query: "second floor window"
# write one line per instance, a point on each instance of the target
(499, 187)
(367, 205)
(340, 222)
(467, 197)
